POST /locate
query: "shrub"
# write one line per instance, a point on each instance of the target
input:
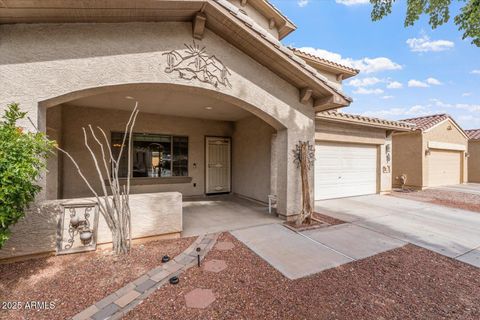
(22, 160)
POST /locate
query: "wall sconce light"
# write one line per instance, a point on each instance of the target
(427, 152)
(467, 154)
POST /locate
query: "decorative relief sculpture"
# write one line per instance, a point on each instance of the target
(195, 63)
(78, 228)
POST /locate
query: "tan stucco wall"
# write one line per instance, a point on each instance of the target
(349, 133)
(474, 161)
(152, 214)
(74, 118)
(41, 62)
(407, 158)
(440, 133)
(252, 139)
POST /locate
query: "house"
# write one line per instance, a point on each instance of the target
(474, 155)
(222, 105)
(434, 154)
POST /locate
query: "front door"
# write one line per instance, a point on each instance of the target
(218, 165)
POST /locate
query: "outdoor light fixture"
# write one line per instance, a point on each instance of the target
(198, 256)
(427, 152)
(174, 280)
(467, 154)
(208, 108)
(165, 259)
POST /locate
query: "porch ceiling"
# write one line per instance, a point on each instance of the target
(180, 103)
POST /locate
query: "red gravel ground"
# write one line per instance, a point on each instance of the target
(405, 283)
(460, 200)
(74, 282)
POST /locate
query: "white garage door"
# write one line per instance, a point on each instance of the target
(444, 168)
(344, 170)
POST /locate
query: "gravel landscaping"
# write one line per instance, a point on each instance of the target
(74, 282)
(405, 283)
(454, 199)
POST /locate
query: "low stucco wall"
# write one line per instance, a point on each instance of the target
(251, 146)
(474, 161)
(152, 214)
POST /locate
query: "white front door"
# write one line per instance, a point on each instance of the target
(218, 165)
(345, 170)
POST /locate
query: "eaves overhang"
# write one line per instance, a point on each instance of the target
(222, 17)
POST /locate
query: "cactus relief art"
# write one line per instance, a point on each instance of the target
(195, 63)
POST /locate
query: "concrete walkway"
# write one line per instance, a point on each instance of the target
(297, 255)
(448, 231)
(222, 213)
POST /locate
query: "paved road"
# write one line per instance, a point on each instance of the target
(451, 232)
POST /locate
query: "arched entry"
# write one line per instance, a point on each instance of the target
(180, 120)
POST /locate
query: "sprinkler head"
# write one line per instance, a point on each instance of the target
(174, 280)
(165, 259)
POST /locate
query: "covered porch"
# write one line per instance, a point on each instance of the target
(223, 213)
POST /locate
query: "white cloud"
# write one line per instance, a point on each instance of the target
(424, 44)
(387, 97)
(476, 71)
(368, 91)
(417, 84)
(394, 85)
(352, 2)
(459, 106)
(434, 81)
(366, 65)
(466, 94)
(365, 82)
(302, 3)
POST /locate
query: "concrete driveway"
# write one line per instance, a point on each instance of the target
(473, 188)
(451, 232)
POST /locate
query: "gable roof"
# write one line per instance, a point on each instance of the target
(325, 64)
(365, 121)
(473, 134)
(426, 123)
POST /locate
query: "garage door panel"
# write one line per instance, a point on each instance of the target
(343, 170)
(444, 167)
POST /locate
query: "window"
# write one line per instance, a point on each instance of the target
(153, 155)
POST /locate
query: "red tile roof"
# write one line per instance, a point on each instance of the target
(426, 122)
(325, 61)
(365, 121)
(473, 134)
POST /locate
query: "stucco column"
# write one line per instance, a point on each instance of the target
(289, 184)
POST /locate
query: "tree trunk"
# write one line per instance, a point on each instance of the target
(306, 213)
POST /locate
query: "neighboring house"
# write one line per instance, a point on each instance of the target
(474, 155)
(353, 154)
(432, 155)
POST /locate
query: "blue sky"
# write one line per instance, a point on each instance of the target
(406, 72)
